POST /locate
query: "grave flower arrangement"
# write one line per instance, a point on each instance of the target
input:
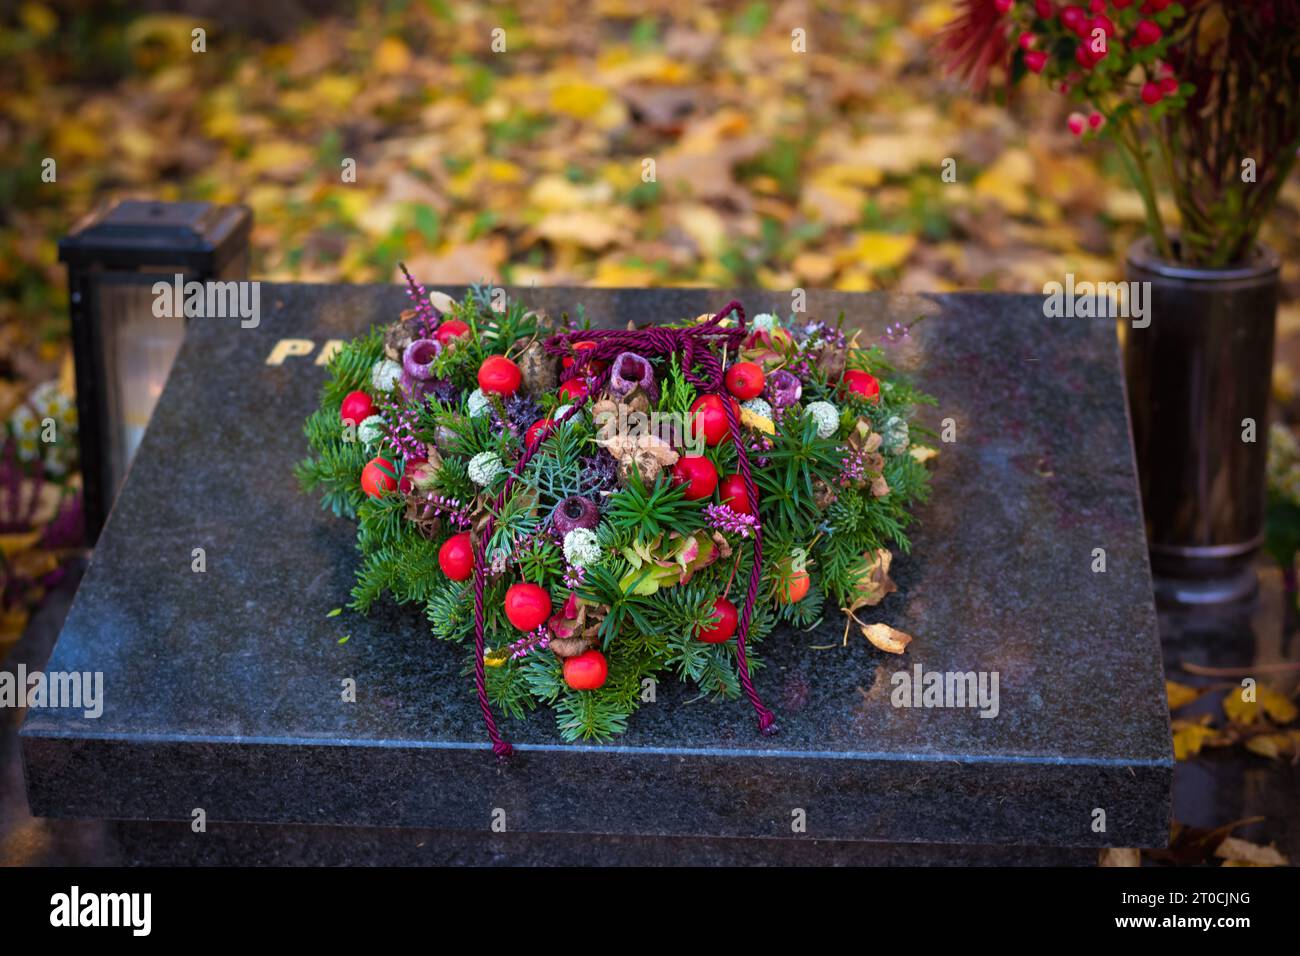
(1201, 99)
(591, 509)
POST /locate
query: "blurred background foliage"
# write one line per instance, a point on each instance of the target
(773, 168)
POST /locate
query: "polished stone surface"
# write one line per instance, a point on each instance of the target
(223, 688)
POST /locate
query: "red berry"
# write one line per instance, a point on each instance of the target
(1102, 22)
(586, 671)
(534, 433)
(1146, 33)
(1077, 123)
(378, 477)
(1154, 6)
(1096, 120)
(745, 380)
(710, 415)
(1121, 4)
(1168, 85)
(864, 383)
(1043, 8)
(1035, 60)
(726, 626)
(796, 589)
(456, 557)
(528, 606)
(1003, 6)
(573, 389)
(1075, 19)
(1097, 6)
(500, 375)
(593, 367)
(451, 329)
(1026, 40)
(356, 408)
(697, 474)
(734, 495)
(1151, 94)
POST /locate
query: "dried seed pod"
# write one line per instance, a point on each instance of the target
(402, 333)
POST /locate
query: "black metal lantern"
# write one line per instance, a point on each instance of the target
(123, 349)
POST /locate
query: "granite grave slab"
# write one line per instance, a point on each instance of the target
(222, 689)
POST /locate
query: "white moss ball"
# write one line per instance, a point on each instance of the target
(385, 375)
(764, 322)
(371, 429)
(895, 435)
(483, 467)
(581, 547)
(477, 403)
(827, 417)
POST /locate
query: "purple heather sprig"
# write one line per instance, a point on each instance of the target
(454, 511)
(399, 425)
(424, 309)
(537, 640)
(852, 468)
(727, 520)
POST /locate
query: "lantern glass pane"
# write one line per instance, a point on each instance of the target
(138, 351)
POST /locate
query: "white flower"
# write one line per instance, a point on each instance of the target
(477, 403)
(827, 417)
(24, 422)
(759, 406)
(896, 435)
(371, 429)
(764, 322)
(385, 375)
(581, 547)
(483, 467)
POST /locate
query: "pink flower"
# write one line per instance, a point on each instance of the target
(1151, 93)
(1026, 41)
(1077, 123)
(1004, 6)
(1035, 60)
(1096, 120)
(1043, 8)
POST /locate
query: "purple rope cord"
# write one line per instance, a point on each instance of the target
(608, 343)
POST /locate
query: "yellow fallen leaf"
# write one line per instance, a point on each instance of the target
(579, 99)
(879, 251)
(1275, 746)
(1180, 695)
(923, 453)
(888, 639)
(704, 226)
(1007, 181)
(12, 544)
(1190, 736)
(392, 56)
(1279, 708)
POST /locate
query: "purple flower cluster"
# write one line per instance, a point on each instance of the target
(728, 521)
(574, 576)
